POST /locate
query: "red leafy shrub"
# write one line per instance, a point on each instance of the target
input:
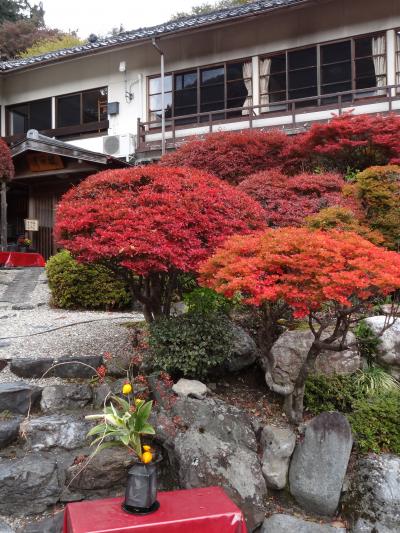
(149, 224)
(351, 142)
(288, 200)
(6, 163)
(231, 156)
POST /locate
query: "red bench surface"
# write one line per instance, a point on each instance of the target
(206, 510)
(21, 259)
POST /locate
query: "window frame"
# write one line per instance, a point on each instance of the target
(198, 70)
(9, 111)
(80, 93)
(353, 59)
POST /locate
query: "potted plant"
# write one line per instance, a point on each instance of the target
(124, 422)
(24, 244)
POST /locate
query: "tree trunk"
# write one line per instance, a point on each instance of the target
(294, 402)
(3, 240)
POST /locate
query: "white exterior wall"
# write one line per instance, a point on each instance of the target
(319, 22)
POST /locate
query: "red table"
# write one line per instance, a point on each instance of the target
(21, 259)
(183, 511)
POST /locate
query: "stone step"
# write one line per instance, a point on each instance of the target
(70, 367)
(18, 397)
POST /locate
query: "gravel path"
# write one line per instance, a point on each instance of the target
(87, 332)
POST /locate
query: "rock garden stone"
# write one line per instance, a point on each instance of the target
(18, 397)
(5, 528)
(190, 387)
(388, 351)
(289, 352)
(278, 445)
(215, 444)
(106, 470)
(29, 485)
(9, 431)
(3, 364)
(31, 368)
(373, 499)
(319, 463)
(74, 368)
(244, 351)
(54, 524)
(100, 393)
(65, 397)
(56, 431)
(283, 523)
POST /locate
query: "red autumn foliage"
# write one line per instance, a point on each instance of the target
(288, 200)
(232, 155)
(304, 268)
(349, 141)
(153, 222)
(6, 163)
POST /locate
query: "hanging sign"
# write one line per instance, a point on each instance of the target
(31, 224)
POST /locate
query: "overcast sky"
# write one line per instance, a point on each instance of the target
(99, 16)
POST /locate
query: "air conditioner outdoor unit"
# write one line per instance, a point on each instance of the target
(119, 145)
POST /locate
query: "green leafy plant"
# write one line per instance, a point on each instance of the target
(330, 393)
(375, 423)
(367, 341)
(206, 301)
(375, 380)
(75, 285)
(190, 344)
(124, 423)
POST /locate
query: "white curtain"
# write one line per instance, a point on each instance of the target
(265, 69)
(379, 53)
(248, 81)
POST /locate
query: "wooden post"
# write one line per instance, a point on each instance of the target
(3, 193)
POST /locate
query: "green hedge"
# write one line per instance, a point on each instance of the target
(77, 286)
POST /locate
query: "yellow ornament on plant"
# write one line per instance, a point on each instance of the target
(127, 389)
(147, 457)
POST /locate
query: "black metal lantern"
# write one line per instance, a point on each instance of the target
(141, 490)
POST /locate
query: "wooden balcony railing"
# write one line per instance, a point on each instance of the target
(251, 115)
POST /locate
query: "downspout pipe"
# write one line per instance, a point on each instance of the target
(160, 51)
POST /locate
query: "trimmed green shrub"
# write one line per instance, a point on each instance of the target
(368, 342)
(330, 393)
(78, 286)
(190, 344)
(207, 302)
(376, 423)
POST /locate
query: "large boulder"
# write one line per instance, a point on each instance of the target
(25, 367)
(320, 462)
(388, 351)
(65, 397)
(28, 485)
(278, 445)
(289, 352)
(5, 528)
(373, 500)
(213, 443)
(18, 397)
(57, 431)
(244, 350)
(283, 523)
(78, 367)
(9, 431)
(54, 524)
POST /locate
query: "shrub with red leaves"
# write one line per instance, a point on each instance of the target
(231, 155)
(288, 200)
(328, 277)
(149, 224)
(351, 142)
(6, 163)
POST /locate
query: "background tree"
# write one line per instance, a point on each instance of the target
(330, 278)
(207, 8)
(6, 173)
(150, 224)
(51, 44)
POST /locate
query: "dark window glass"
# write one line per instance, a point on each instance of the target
(336, 87)
(69, 110)
(303, 58)
(189, 110)
(363, 47)
(303, 93)
(278, 63)
(214, 93)
(185, 80)
(302, 78)
(19, 116)
(92, 103)
(277, 82)
(277, 97)
(365, 68)
(185, 98)
(333, 53)
(212, 76)
(365, 83)
(40, 115)
(236, 89)
(234, 71)
(336, 73)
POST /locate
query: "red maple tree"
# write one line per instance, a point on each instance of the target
(6, 163)
(328, 277)
(150, 223)
(232, 155)
(288, 200)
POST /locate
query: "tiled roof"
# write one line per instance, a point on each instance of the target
(215, 17)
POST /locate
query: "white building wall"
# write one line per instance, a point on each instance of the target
(323, 21)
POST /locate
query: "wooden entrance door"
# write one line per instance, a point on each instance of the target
(41, 208)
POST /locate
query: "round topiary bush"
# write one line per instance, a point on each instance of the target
(75, 285)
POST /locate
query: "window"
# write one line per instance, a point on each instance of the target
(203, 90)
(82, 108)
(398, 59)
(32, 115)
(348, 65)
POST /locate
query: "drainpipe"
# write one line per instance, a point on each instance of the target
(157, 47)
